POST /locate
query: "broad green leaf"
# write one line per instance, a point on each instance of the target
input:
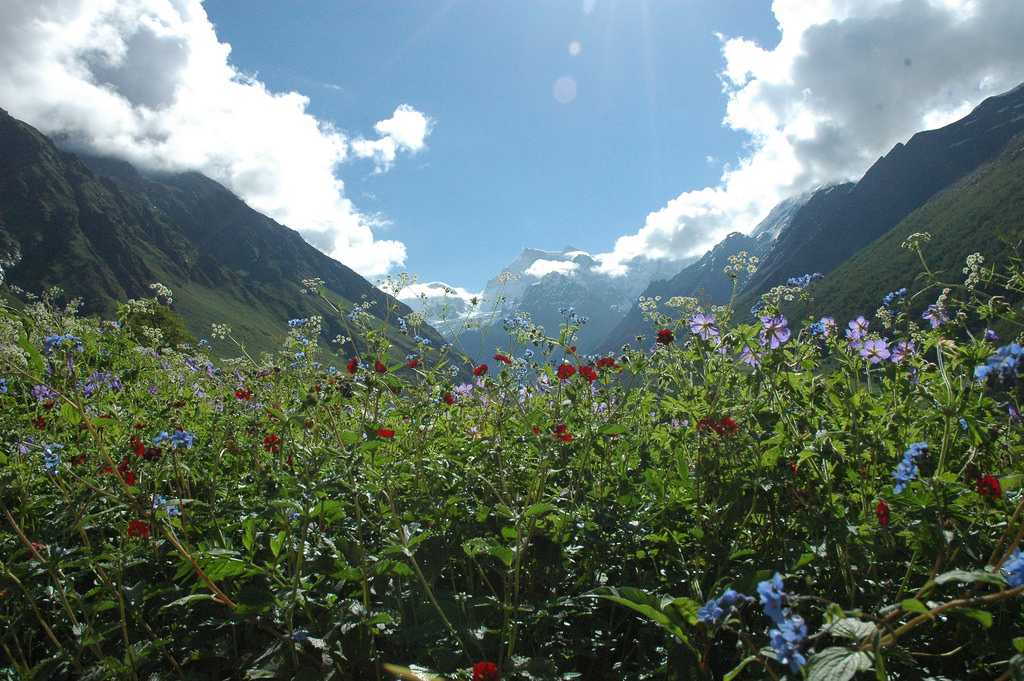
(837, 664)
(970, 576)
(853, 629)
(913, 605)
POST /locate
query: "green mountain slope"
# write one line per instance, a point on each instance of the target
(840, 221)
(982, 213)
(102, 231)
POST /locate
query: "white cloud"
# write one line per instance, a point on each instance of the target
(433, 290)
(848, 80)
(406, 130)
(542, 268)
(149, 81)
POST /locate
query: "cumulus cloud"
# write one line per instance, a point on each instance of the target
(542, 268)
(847, 81)
(406, 130)
(150, 82)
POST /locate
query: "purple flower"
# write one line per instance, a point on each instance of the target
(935, 315)
(774, 331)
(858, 327)
(43, 393)
(991, 336)
(750, 357)
(704, 325)
(902, 351)
(875, 350)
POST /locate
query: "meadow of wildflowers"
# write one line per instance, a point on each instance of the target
(733, 499)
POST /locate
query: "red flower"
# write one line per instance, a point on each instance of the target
(882, 513)
(988, 486)
(39, 422)
(486, 671)
(138, 529)
(728, 426)
(138, 446)
(480, 370)
(606, 363)
(412, 363)
(353, 365)
(152, 454)
(566, 371)
(536, 430)
(272, 443)
(504, 359)
(449, 398)
(562, 433)
(725, 426)
(125, 472)
(665, 336)
(243, 394)
(588, 373)
(380, 367)
(385, 433)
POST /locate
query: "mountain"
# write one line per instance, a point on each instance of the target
(544, 284)
(839, 221)
(982, 212)
(705, 279)
(103, 231)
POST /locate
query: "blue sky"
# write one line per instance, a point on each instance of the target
(507, 165)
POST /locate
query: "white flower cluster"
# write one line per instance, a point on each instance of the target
(915, 240)
(162, 294)
(741, 263)
(972, 270)
(219, 331)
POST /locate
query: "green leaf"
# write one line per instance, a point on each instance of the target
(277, 542)
(804, 560)
(837, 664)
(348, 437)
(647, 605)
(913, 605)
(853, 629)
(612, 429)
(486, 546)
(223, 567)
(249, 535)
(192, 598)
(1018, 644)
(982, 617)
(540, 509)
(970, 576)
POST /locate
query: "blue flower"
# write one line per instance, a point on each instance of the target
(51, 457)
(824, 327)
(715, 610)
(182, 438)
(1004, 363)
(169, 507)
(894, 296)
(786, 639)
(771, 594)
(805, 280)
(991, 336)
(907, 470)
(1013, 569)
(57, 341)
(963, 424)
(3, 386)
(296, 323)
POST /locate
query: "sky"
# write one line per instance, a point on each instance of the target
(441, 137)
